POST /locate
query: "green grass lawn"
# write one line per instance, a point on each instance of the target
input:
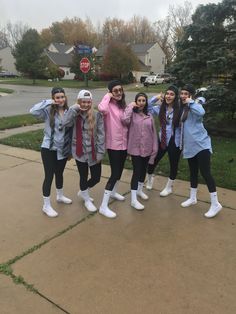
(62, 83)
(6, 90)
(151, 89)
(17, 121)
(223, 158)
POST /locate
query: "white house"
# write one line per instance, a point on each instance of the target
(61, 55)
(151, 58)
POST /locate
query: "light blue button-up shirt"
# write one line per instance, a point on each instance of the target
(42, 111)
(155, 110)
(195, 136)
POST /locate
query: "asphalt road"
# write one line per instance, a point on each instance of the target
(24, 97)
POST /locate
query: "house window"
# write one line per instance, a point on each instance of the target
(163, 60)
(67, 72)
(150, 60)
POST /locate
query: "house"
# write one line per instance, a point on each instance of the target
(60, 48)
(61, 55)
(7, 61)
(151, 58)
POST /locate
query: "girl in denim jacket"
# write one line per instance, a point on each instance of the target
(88, 143)
(168, 112)
(53, 154)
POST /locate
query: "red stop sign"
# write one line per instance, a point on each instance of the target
(84, 65)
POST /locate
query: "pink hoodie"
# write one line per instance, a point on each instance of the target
(115, 129)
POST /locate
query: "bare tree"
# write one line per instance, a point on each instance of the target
(170, 29)
(15, 32)
(3, 39)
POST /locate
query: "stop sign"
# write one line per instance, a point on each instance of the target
(84, 65)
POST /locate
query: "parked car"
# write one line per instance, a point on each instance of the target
(8, 74)
(153, 80)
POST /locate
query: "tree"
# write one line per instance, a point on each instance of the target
(119, 60)
(11, 34)
(206, 53)
(137, 30)
(71, 31)
(3, 39)
(15, 32)
(171, 29)
(29, 55)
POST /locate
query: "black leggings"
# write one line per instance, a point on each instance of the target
(52, 166)
(139, 170)
(173, 154)
(95, 174)
(201, 161)
(117, 160)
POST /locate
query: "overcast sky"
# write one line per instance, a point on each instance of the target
(41, 14)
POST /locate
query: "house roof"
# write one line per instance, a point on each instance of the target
(60, 59)
(138, 49)
(141, 48)
(61, 47)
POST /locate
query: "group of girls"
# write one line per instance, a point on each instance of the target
(85, 134)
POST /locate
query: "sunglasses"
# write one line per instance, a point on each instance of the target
(117, 90)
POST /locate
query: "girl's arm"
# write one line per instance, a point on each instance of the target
(196, 108)
(40, 110)
(154, 110)
(69, 116)
(128, 112)
(104, 104)
(154, 144)
(100, 140)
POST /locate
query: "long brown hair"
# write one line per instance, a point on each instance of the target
(176, 111)
(122, 103)
(54, 110)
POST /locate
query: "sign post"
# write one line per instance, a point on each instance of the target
(85, 67)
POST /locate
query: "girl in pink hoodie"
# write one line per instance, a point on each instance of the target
(142, 144)
(112, 107)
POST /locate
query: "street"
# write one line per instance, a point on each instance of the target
(25, 97)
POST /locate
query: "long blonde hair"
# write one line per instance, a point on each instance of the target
(91, 118)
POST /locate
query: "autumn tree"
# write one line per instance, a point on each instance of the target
(119, 60)
(71, 31)
(137, 30)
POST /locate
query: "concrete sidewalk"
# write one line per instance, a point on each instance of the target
(166, 259)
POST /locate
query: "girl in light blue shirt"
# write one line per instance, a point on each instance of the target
(168, 112)
(197, 149)
(54, 152)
